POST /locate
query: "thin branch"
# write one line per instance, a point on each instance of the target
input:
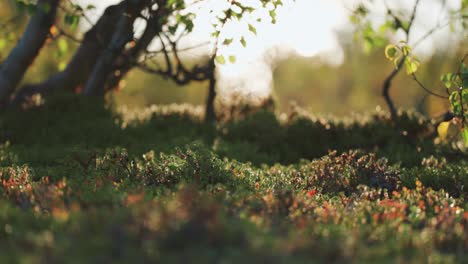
(166, 56)
(189, 48)
(415, 78)
(437, 27)
(64, 33)
(65, 9)
(461, 62)
(396, 19)
(386, 88)
(411, 21)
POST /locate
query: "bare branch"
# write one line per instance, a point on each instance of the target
(411, 21)
(64, 33)
(426, 89)
(166, 56)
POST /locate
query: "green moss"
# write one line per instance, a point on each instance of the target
(81, 183)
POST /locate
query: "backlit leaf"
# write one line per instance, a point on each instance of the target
(448, 130)
(252, 29)
(243, 42)
(220, 59)
(412, 66)
(465, 135)
(391, 52)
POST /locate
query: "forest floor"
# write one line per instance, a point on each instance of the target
(81, 184)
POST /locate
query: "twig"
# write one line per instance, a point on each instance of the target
(415, 78)
(386, 88)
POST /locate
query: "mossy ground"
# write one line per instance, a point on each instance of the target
(80, 184)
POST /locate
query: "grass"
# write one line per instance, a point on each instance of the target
(80, 184)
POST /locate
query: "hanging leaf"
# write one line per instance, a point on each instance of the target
(220, 59)
(252, 29)
(232, 59)
(406, 49)
(243, 42)
(227, 42)
(71, 20)
(442, 130)
(412, 66)
(448, 130)
(273, 16)
(391, 52)
(447, 80)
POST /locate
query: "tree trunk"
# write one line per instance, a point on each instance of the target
(210, 114)
(106, 61)
(82, 63)
(127, 61)
(26, 50)
(386, 89)
(103, 67)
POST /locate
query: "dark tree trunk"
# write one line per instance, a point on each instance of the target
(22, 56)
(105, 62)
(386, 89)
(210, 113)
(82, 63)
(122, 35)
(127, 61)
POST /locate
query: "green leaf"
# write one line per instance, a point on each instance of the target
(406, 50)
(243, 42)
(464, 95)
(361, 10)
(172, 29)
(227, 42)
(454, 99)
(3, 43)
(62, 45)
(412, 66)
(232, 59)
(71, 20)
(465, 135)
(62, 65)
(447, 80)
(391, 52)
(273, 16)
(220, 59)
(216, 34)
(252, 29)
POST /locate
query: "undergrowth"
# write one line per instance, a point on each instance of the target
(80, 183)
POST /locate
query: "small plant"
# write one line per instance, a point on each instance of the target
(401, 54)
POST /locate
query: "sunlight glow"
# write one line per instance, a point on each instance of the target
(304, 27)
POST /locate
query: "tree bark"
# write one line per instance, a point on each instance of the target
(386, 89)
(82, 63)
(122, 35)
(210, 114)
(127, 61)
(26, 50)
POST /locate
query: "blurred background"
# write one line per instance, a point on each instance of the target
(310, 57)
